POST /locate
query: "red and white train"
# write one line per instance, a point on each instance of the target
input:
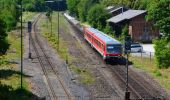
(108, 47)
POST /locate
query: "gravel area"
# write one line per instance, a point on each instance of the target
(37, 80)
(32, 67)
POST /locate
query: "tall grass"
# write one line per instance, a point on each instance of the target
(161, 75)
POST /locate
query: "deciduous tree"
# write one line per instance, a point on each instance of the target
(159, 11)
(97, 16)
(3, 42)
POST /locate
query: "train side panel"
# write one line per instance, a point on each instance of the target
(88, 36)
(99, 45)
(95, 42)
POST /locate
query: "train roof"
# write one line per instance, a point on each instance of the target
(107, 39)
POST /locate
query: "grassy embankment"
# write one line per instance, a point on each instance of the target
(160, 75)
(86, 76)
(9, 70)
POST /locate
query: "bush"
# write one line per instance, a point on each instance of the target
(9, 93)
(125, 30)
(108, 29)
(162, 53)
(3, 42)
(157, 73)
(3, 46)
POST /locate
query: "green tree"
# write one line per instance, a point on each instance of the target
(159, 11)
(3, 42)
(49, 16)
(108, 2)
(125, 30)
(162, 53)
(83, 8)
(108, 29)
(97, 16)
(73, 7)
(9, 13)
(28, 5)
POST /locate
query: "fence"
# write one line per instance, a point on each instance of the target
(145, 54)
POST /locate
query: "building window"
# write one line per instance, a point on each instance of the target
(146, 29)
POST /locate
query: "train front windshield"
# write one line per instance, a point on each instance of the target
(117, 49)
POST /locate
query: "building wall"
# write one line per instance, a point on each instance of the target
(141, 30)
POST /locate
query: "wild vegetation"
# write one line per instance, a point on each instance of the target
(9, 16)
(34, 5)
(160, 13)
(10, 50)
(148, 65)
(8, 19)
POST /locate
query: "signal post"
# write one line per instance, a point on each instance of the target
(127, 45)
(29, 31)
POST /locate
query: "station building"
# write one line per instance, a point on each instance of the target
(139, 29)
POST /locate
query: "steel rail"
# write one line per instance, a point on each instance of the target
(52, 67)
(41, 63)
(134, 85)
(48, 62)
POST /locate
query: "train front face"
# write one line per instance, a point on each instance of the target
(114, 51)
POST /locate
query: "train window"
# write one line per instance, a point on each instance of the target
(98, 43)
(114, 48)
(102, 47)
(95, 41)
(88, 35)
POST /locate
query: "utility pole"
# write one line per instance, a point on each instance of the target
(51, 22)
(21, 49)
(58, 25)
(50, 2)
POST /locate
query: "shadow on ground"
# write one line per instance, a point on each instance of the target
(120, 61)
(8, 93)
(5, 73)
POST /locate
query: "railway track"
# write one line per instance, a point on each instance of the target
(138, 86)
(135, 85)
(50, 72)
